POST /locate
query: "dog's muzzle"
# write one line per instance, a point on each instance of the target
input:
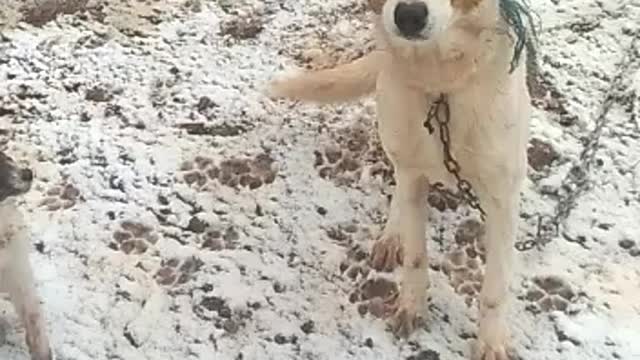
(411, 18)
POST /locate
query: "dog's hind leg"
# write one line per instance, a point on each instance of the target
(501, 225)
(21, 286)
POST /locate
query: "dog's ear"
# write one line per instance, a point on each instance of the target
(376, 5)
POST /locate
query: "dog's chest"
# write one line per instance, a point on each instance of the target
(473, 135)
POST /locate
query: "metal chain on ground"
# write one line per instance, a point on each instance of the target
(441, 113)
(577, 181)
(547, 227)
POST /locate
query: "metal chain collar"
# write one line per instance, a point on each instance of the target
(441, 113)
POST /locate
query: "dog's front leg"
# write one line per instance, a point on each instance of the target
(387, 253)
(411, 207)
(21, 287)
(501, 225)
(401, 112)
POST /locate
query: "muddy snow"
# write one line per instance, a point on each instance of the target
(180, 214)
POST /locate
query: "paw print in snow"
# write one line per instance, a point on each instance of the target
(216, 240)
(64, 196)
(375, 296)
(178, 272)
(133, 238)
(464, 263)
(443, 199)
(242, 27)
(356, 266)
(245, 172)
(356, 148)
(343, 234)
(549, 293)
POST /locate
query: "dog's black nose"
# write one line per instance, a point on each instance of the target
(26, 175)
(411, 18)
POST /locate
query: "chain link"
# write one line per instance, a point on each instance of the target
(441, 113)
(576, 182)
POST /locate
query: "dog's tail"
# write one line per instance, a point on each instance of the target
(342, 83)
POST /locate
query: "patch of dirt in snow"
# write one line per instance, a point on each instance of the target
(179, 214)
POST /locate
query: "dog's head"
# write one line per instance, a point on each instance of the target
(14, 180)
(422, 22)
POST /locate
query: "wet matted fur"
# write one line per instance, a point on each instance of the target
(471, 51)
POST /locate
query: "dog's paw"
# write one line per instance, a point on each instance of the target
(404, 321)
(42, 356)
(484, 351)
(492, 335)
(403, 315)
(387, 253)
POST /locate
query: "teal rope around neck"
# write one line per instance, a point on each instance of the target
(521, 20)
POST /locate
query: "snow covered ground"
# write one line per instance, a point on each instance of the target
(179, 214)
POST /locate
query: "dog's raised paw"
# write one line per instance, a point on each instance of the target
(387, 253)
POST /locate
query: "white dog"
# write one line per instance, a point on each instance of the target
(457, 60)
(15, 271)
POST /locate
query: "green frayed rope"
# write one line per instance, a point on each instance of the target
(521, 20)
